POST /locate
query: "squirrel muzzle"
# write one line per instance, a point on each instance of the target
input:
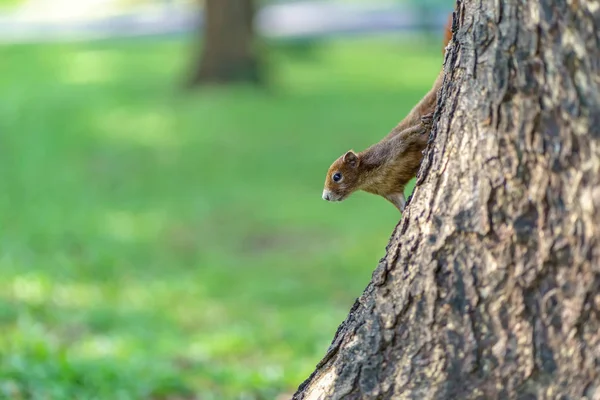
(331, 196)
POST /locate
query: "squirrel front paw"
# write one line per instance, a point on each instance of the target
(427, 120)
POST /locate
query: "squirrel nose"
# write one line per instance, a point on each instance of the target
(325, 195)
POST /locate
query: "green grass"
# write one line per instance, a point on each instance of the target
(156, 245)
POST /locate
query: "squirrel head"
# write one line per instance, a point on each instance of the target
(342, 177)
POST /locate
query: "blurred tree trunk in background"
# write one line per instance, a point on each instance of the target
(229, 52)
(490, 288)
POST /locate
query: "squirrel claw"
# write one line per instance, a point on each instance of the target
(427, 119)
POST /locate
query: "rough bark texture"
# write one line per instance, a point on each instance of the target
(229, 52)
(490, 288)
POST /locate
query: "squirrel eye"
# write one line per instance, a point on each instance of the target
(337, 177)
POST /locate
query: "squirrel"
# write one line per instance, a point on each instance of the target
(383, 169)
(386, 167)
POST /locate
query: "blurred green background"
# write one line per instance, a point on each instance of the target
(167, 244)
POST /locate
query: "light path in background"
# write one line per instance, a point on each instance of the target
(57, 20)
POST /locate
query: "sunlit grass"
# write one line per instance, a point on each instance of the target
(156, 243)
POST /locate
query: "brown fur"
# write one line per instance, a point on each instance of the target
(427, 104)
(386, 167)
(383, 169)
(447, 33)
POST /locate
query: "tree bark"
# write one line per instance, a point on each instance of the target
(229, 52)
(490, 287)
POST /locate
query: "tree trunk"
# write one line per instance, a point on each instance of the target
(229, 52)
(490, 288)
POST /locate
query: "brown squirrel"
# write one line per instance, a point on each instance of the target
(386, 167)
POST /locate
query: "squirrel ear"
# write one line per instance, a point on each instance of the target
(351, 158)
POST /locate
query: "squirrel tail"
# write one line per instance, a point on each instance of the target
(447, 33)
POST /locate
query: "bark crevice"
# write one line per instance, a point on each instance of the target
(490, 287)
